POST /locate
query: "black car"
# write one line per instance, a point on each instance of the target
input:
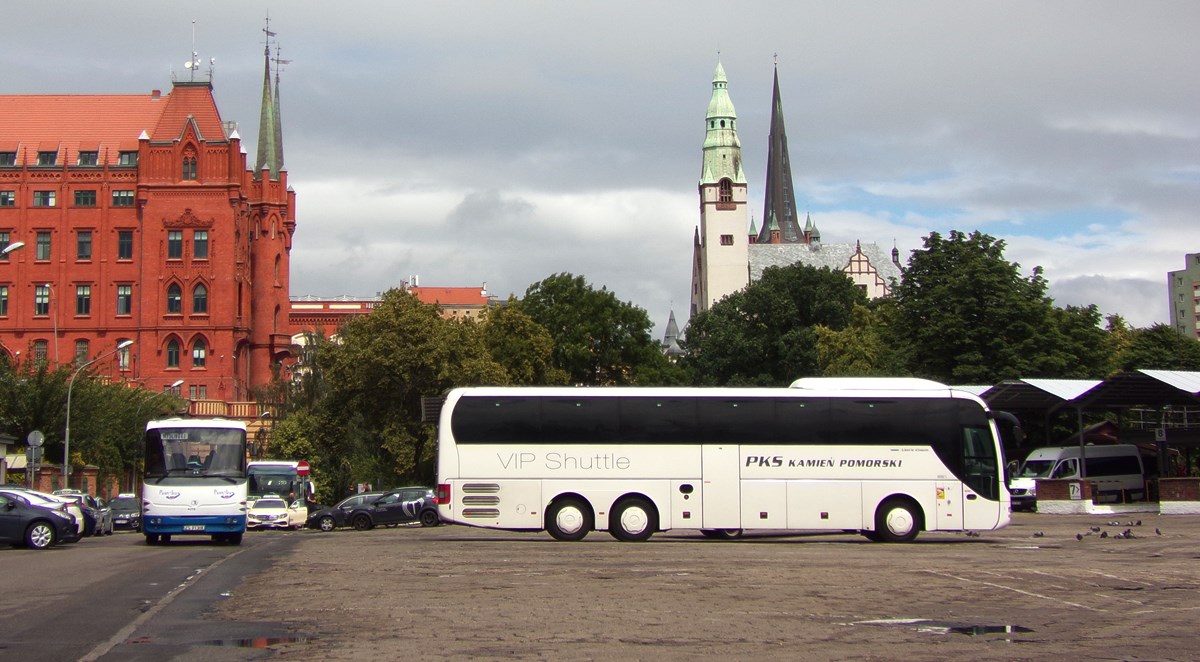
(328, 519)
(36, 527)
(398, 506)
(126, 512)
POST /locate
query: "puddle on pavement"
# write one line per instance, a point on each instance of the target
(259, 642)
(941, 627)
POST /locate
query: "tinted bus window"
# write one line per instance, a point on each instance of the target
(659, 420)
(737, 420)
(580, 420)
(499, 420)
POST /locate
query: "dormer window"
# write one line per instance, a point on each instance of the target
(47, 158)
(127, 158)
(8, 159)
(89, 158)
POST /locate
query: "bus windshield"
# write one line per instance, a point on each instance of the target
(279, 482)
(199, 451)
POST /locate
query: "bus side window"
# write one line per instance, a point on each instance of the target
(1066, 469)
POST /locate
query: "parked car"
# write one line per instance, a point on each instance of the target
(126, 512)
(398, 506)
(268, 512)
(328, 519)
(92, 518)
(49, 500)
(32, 525)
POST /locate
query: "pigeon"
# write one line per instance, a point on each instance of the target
(1039, 534)
(1127, 534)
(1138, 523)
(1157, 532)
(1095, 529)
(1118, 536)
(1104, 534)
(1079, 536)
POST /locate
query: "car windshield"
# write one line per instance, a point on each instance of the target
(125, 504)
(1036, 469)
(263, 504)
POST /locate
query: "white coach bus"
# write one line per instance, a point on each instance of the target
(887, 457)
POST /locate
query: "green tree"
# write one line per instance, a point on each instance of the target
(376, 378)
(598, 339)
(521, 345)
(767, 333)
(967, 315)
(858, 350)
(1159, 347)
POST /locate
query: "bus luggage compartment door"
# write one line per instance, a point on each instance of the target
(949, 506)
(721, 489)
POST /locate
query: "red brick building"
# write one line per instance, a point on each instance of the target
(141, 221)
(326, 315)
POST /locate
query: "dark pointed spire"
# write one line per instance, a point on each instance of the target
(278, 113)
(268, 151)
(779, 200)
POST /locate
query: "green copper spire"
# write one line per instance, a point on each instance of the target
(722, 149)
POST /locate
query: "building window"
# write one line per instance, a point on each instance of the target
(83, 299)
(47, 158)
(41, 300)
(43, 246)
(175, 244)
(124, 299)
(725, 193)
(125, 244)
(5, 239)
(122, 199)
(122, 356)
(81, 352)
(8, 159)
(199, 354)
(8, 198)
(200, 300)
(43, 198)
(127, 158)
(83, 245)
(39, 350)
(726, 240)
(174, 299)
(85, 198)
(200, 245)
(3, 301)
(89, 158)
(189, 168)
(173, 354)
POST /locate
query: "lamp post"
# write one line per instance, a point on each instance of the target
(66, 468)
(12, 247)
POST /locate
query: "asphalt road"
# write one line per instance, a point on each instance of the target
(115, 598)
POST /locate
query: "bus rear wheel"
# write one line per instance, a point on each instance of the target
(569, 520)
(633, 520)
(721, 534)
(897, 520)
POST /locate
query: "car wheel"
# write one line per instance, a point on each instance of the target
(569, 519)
(326, 523)
(362, 523)
(39, 535)
(430, 518)
(897, 520)
(633, 520)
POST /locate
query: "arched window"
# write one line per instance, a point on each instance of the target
(200, 300)
(174, 299)
(725, 193)
(173, 353)
(199, 354)
(189, 168)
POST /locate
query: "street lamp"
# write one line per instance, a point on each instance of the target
(12, 247)
(66, 468)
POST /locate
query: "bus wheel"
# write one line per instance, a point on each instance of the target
(897, 520)
(633, 520)
(568, 519)
(151, 538)
(722, 534)
(234, 539)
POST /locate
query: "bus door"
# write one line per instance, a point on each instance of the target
(721, 491)
(984, 495)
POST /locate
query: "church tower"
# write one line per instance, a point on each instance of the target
(779, 199)
(720, 254)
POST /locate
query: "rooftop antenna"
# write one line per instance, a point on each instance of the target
(194, 63)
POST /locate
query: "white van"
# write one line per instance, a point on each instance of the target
(1116, 470)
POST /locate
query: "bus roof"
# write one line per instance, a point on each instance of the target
(180, 422)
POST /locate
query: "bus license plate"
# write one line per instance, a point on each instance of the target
(193, 527)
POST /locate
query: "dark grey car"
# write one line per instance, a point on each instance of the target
(398, 506)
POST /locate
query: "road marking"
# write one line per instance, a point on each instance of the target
(1014, 590)
(124, 633)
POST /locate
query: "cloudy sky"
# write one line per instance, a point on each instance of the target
(502, 142)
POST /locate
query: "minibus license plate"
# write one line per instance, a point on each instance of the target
(193, 527)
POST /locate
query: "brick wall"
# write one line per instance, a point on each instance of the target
(1179, 489)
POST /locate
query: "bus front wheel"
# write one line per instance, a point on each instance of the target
(569, 520)
(897, 520)
(633, 520)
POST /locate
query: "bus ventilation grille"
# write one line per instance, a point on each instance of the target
(480, 488)
(481, 513)
(480, 500)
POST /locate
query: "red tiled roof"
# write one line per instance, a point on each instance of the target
(451, 296)
(110, 123)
